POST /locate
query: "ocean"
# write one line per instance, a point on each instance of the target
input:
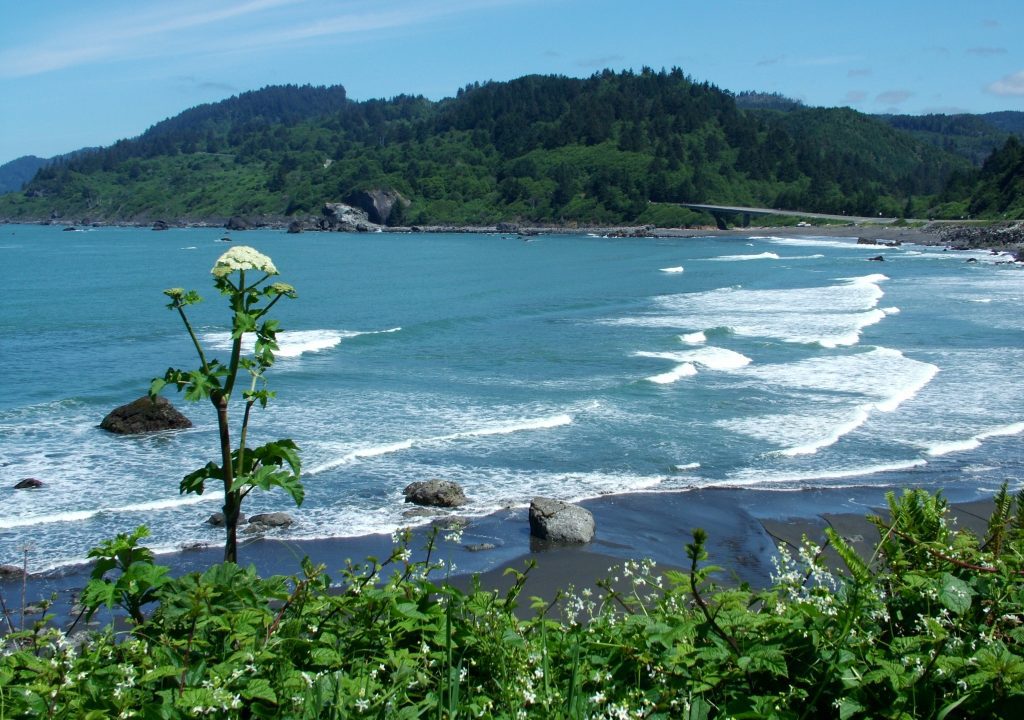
(570, 366)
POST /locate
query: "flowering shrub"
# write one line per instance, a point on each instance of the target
(932, 626)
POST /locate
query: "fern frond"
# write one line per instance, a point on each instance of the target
(858, 568)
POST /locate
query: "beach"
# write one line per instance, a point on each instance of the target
(745, 529)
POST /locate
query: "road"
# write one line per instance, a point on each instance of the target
(789, 213)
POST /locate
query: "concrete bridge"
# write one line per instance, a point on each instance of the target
(723, 213)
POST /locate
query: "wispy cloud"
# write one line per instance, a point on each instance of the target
(191, 26)
(600, 62)
(987, 51)
(1008, 85)
(855, 97)
(893, 97)
(764, 62)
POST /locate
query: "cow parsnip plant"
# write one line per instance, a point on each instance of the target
(243, 275)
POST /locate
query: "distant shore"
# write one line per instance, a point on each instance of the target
(1005, 237)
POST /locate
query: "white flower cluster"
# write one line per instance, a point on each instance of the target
(242, 257)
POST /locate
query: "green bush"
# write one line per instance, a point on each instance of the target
(929, 627)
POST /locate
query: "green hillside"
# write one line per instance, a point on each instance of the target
(535, 149)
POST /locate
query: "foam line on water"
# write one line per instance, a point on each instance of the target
(524, 425)
(293, 343)
(750, 477)
(76, 516)
(676, 269)
(972, 443)
(739, 258)
(694, 338)
(677, 373)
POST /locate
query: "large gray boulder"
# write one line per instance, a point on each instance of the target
(272, 520)
(560, 522)
(29, 484)
(145, 415)
(378, 204)
(435, 493)
(342, 218)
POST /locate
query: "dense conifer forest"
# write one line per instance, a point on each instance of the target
(611, 148)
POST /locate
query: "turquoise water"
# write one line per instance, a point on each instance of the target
(570, 366)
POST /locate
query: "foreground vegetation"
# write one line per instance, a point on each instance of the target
(929, 627)
(546, 149)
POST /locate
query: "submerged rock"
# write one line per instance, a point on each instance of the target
(29, 484)
(560, 522)
(145, 415)
(435, 493)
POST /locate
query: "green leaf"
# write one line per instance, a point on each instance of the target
(848, 707)
(955, 594)
(259, 689)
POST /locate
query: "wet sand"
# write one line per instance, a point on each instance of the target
(744, 527)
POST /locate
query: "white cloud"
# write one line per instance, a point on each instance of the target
(192, 27)
(1008, 85)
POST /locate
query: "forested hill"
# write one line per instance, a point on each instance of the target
(538, 148)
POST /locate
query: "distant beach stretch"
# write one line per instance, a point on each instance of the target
(724, 380)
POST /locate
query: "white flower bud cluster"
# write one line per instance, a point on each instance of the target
(242, 257)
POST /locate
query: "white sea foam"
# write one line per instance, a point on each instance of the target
(972, 443)
(677, 373)
(292, 343)
(712, 358)
(876, 381)
(686, 466)
(735, 258)
(891, 310)
(77, 516)
(760, 476)
(526, 424)
(676, 269)
(831, 315)
(694, 338)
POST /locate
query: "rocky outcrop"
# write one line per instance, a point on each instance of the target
(29, 484)
(560, 522)
(294, 227)
(1008, 237)
(379, 205)
(160, 225)
(507, 227)
(340, 217)
(435, 493)
(877, 258)
(237, 223)
(145, 415)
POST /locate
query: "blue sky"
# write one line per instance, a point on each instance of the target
(76, 74)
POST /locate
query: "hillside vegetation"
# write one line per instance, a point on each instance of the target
(535, 149)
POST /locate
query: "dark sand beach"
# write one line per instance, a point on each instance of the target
(744, 527)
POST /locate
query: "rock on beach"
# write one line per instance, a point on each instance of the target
(145, 415)
(560, 522)
(435, 493)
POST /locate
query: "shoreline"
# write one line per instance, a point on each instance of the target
(954, 235)
(745, 526)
